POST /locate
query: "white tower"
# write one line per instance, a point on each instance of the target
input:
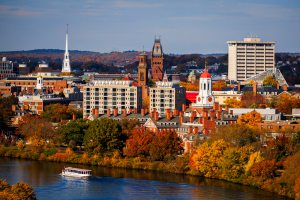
(39, 83)
(66, 64)
(205, 98)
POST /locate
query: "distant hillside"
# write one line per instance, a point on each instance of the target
(56, 55)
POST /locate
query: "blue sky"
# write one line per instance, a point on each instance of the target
(185, 26)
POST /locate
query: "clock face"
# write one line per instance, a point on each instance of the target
(209, 99)
(199, 99)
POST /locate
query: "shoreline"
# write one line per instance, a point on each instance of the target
(115, 161)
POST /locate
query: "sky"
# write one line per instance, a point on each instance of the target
(184, 26)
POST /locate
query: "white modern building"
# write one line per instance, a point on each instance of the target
(108, 94)
(166, 95)
(249, 57)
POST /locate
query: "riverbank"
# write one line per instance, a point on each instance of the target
(178, 166)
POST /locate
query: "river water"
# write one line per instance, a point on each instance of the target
(112, 183)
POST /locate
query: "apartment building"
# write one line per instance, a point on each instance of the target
(249, 57)
(7, 69)
(166, 95)
(105, 95)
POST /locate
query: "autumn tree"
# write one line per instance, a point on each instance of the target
(270, 80)
(18, 191)
(139, 143)
(128, 125)
(190, 86)
(250, 119)
(165, 145)
(219, 85)
(233, 103)
(207, 158)
(264, 169)
(58, 112)
(146, 103)
(37, 130)
(285, 103)
(104, 136)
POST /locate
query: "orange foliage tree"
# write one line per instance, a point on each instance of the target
(138, 143)
(249, 119)
(285, 103)
(219, 85)
(250, 99)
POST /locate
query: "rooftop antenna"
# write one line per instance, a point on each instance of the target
(205, 65)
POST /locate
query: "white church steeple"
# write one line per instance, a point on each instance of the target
(66, 64)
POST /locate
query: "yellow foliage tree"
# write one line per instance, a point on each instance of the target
(250, 119)
(233, 103)
(270, 80)
(190, 86)
(207, 159)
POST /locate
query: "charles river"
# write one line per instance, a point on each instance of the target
(112, 183)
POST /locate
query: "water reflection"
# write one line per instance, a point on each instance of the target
(109, 183)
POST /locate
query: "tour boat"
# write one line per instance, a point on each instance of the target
(76, 172)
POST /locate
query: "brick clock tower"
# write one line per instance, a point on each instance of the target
(157, 61)
(142, 70)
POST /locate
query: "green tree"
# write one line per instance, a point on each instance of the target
(236, 135)
(74, 131)
(103, 136)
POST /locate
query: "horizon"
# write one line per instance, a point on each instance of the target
(192, 27)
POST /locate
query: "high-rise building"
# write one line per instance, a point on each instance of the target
(249, 57)
(157, 58)
(166, 95)
(66, 68)
(7, 69)
(105, 95)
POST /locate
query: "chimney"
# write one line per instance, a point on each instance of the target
(73, 116)
(171, 114)
(156, 117)
(192, 118)
(93, 111)
(115, 112)
(200, 120)
(180, 119)
(97, 112)
(226, 108)
(231, 112)
(212, 115)
(196, 129)
(135, 110)
(176, 112)
(220, 108)
(168, 114)
(277, 86)
(239, 86)
(124, 113)
(218, 115)
(143, 112)
(254, 87)
(14, 108)
(108, 112)
(183, 107)
(190, 129)
(205, 114)
(216, 106)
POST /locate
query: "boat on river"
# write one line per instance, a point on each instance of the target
(76, 172)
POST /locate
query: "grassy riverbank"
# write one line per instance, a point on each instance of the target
(180, 165)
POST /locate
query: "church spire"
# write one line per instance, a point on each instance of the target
(66, 63)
